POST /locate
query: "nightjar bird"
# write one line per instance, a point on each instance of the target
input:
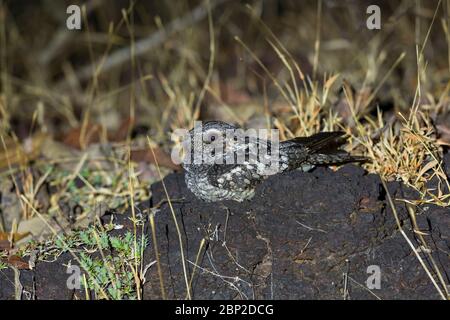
(223, 162)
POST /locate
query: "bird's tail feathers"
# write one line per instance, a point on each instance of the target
(334, 158)
(324, 149)
(321, 141)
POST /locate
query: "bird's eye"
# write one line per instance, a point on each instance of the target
(211, 135)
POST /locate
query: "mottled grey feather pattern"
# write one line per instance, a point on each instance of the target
(216, 182)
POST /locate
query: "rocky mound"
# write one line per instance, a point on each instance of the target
(314, 235)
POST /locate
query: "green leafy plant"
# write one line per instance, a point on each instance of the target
(108, 262)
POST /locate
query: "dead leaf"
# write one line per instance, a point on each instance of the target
(13, 152)
(162, 158)
(230, 94)
(122, 133)
(79, 138)
(18, 262)
(5, 245)
(34, 226)
(16, 236)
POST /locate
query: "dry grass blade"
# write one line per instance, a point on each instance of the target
(158, 262)
(317, 41)
(145, 45)
(212, 53)
(427, 250)
(413, 248)
(197, 258)
(175, 220)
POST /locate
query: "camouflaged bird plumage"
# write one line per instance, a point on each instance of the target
(212, 181)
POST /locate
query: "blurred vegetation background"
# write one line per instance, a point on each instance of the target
(79, 108)
(48, 69)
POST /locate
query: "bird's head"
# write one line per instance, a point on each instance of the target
(209, 142)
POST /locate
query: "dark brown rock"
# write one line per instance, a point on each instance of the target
(296, 239)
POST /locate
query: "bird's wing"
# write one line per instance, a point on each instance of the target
(222, 175)
(320, 148)
(319, 142)
(243, 174)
